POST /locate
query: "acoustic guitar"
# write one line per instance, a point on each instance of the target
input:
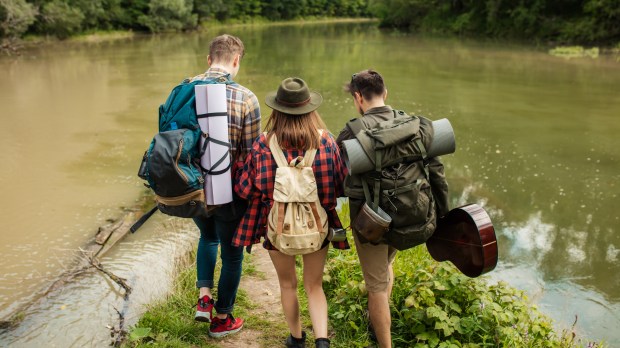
(465, 237)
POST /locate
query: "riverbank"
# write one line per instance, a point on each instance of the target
(432, 305)
(15, 46)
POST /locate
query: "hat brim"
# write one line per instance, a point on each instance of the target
(315, 101)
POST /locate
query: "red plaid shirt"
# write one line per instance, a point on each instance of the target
(256, 179)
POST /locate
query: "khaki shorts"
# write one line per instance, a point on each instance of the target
(375, 260)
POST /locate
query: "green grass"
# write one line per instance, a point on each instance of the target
(170, 322)
(432, 304)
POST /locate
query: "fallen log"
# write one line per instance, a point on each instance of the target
(87, 257)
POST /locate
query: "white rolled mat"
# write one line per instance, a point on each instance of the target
(211, 100)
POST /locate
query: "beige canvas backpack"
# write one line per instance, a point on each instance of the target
(297, 223)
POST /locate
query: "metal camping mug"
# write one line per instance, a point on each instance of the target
(370, 224)
(336, 234)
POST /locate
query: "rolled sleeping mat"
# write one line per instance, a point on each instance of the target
(355, 157)
(358, 162)
(443, 139)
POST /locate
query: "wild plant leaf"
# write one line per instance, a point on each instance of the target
(139, 333)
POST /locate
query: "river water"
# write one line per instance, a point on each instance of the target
(536, 135)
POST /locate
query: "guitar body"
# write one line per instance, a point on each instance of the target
(465, 237)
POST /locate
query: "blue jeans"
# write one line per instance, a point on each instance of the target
(217, 230)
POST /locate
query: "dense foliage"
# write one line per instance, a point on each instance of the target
(561, 21)
(62, 18)
(578, 21)
(434, 305)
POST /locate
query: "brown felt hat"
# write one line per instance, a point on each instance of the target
(294, 97)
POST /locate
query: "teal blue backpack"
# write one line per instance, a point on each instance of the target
(171, 165)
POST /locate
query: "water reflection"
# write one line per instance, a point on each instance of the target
(568, 290)
(532, 239)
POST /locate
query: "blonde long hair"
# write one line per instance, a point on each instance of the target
(296, 131)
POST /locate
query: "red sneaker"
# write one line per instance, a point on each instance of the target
(204, 309)
(223, 327)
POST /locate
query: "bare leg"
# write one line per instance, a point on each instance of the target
(390, 281)
(379, 311)
(314, 265)
(285, 268)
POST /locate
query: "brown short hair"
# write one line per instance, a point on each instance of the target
(296, 131)
(224, 48)
(368, 83)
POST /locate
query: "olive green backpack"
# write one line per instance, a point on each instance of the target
(399, 184)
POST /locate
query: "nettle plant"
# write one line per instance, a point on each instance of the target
(434, 305)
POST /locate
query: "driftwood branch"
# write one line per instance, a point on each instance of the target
(120, 333)
(94, 262)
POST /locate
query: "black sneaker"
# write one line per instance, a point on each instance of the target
(292, 342)
(371, 333)
(322, 342)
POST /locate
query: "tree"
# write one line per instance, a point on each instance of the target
(60, 19)
(169, 15)
(210, 9)
(15, 17)
(99, 14)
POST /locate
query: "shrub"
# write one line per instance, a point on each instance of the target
(15, 17)
(434, 305)
(60, 20)
(169, 15)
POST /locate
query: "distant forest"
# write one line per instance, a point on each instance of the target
(63, 18)
(559, 21)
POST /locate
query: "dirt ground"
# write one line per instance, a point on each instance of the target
(265, 295)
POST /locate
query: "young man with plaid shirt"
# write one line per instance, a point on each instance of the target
(244, 123)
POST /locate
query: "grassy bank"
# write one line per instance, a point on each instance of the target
(170, 322)
(433, 305)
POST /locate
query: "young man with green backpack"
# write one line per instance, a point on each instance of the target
(408, 187)
(244, 124)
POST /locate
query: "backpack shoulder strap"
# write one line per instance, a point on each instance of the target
(311, 153)
(276, 150)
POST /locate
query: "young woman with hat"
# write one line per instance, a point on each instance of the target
(295, 123)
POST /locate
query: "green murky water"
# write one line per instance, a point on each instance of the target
(537, 144)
